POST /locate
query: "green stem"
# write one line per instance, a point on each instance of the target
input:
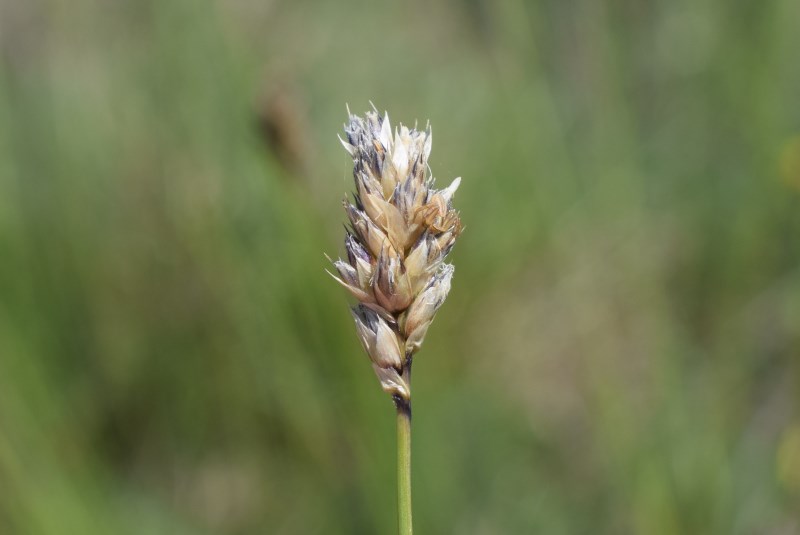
(404, 468)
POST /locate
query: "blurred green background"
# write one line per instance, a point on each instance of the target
(620, 350)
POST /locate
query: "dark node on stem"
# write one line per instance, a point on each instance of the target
(403, 405)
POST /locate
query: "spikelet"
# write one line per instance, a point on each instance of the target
(400, 232)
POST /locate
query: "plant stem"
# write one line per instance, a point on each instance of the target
(404, 468)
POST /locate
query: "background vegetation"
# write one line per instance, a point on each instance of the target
(619, 353)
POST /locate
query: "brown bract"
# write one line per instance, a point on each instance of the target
(400, 232)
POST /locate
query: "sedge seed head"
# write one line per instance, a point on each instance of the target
(401, 231)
